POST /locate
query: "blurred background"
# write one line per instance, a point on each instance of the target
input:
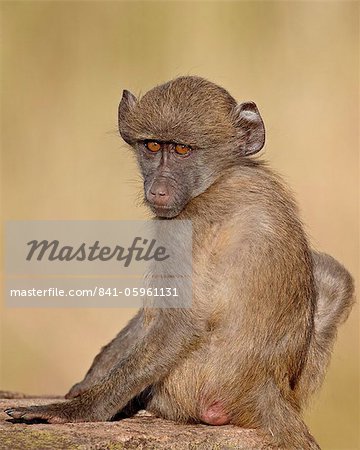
(64, 66)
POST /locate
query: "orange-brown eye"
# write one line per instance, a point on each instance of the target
(182, 149)
(153, 146)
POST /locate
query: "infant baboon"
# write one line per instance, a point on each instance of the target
(257, 339)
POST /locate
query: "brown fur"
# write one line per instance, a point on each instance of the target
(257, 339)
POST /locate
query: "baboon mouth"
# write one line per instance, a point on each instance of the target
(154, 205)
(160, 207)
(164, 211)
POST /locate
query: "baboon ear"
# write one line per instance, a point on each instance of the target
(251, 128)
(128, 101)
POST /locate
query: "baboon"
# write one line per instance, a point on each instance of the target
(265, 310)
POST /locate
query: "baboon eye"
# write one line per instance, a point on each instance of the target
(182, 149)
(153, 146)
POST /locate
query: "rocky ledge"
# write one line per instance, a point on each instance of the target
(143, 431)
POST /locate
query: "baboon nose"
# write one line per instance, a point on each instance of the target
(159, 194)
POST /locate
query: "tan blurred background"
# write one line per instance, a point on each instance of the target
(64, 65)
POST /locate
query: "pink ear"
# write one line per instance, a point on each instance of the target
(251, 128)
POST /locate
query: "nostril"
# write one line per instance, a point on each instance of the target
(158, 193)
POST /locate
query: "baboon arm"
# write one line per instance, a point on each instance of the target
(149, 360)
(109, 355)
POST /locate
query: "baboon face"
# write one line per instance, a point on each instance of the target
(185, 133)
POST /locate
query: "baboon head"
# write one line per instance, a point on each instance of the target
(185, 133)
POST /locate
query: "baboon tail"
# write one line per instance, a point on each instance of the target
(335, 298)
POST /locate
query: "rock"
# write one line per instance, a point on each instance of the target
(11, 395)
(143, 431)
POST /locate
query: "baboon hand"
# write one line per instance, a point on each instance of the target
(62, 412)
